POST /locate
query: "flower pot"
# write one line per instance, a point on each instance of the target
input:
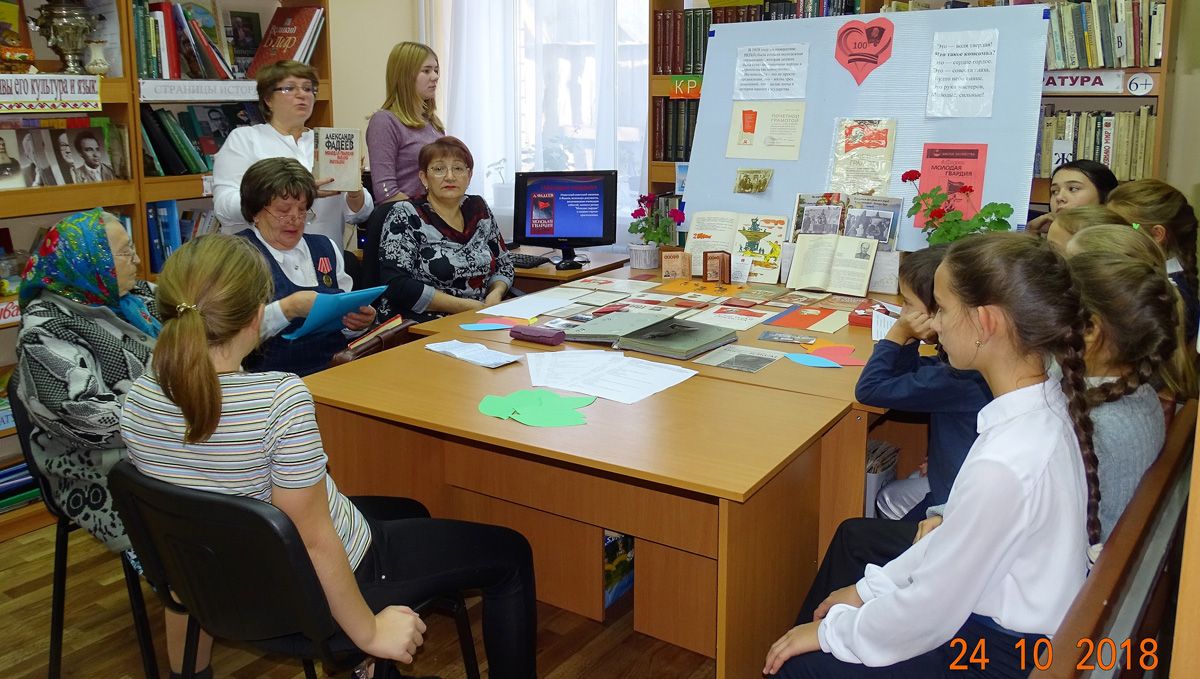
(643, 256)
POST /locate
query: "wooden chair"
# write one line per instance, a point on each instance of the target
(63, 528)
(1136, 576)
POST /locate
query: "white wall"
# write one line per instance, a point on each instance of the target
(363, 33)
(1183, 159)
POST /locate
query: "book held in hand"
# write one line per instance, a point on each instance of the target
(338, 154)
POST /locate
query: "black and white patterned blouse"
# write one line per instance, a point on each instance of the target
(420, 254)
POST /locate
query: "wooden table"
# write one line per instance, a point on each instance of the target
(722, 484)
(546, 276)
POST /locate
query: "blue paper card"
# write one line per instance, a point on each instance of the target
(813, 361)
(484, 326)
(327, 310)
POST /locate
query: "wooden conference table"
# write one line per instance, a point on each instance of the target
(731, 487)
(547, 276)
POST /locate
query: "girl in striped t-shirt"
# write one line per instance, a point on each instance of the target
(197, 421)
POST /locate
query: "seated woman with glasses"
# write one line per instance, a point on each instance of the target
(287, 92)
(441, 252)
(88, 326)
(277, 196)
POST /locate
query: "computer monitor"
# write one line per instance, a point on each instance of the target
(566, 209)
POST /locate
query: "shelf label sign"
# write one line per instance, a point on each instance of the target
(1084, 82)
(1140, 84)
(686, 86)
(44, 93)
(198, 90)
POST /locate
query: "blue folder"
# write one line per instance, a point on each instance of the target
(327, 310)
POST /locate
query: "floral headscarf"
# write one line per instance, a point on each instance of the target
(75, 261)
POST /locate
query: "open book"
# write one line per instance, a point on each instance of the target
(840, 264)
(758, 237)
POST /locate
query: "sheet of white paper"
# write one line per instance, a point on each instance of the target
(771, 72)
(611, 284)
(472, 352)
(1063, 151)
(558, 368)
(880, 325)
(832, 323)
(769, 130)
(786, 252)
(740, 268)
(962, 74)
(651, 297)
(601, 297)
(630, 380)
(529, 306)
(561, 292)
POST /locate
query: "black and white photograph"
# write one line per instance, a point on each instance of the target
(821, 219)
(94, 164)
(39, 166)
(874, 224)
(10, 167)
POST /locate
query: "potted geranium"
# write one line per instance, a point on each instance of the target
(655, 226)
(944, 222)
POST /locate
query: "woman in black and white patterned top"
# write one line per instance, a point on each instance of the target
(442, 252)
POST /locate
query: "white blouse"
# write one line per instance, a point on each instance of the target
(1012, 546)
(297, 265)
(247, 145)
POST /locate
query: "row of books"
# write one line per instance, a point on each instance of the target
(674, 128)
(169, 228)
(1105, 34)
(185, 142)
(194, 39)
(1122, 140)
(36, 152)
(681, 35)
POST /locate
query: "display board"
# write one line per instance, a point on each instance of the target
(774, 92)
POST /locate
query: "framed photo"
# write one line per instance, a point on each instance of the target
(717, 266)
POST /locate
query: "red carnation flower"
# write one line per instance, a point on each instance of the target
(638, 213)
(967, 189)
(676, 215)
(49, 243)
(937, 213)
(910, 176)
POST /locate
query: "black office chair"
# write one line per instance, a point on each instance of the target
(65, 525)
(240, 571)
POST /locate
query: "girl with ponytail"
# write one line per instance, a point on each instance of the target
(197, 420)
(1163, 212)
(1012, 552)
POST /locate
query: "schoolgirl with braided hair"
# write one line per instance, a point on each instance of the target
(1011, 553)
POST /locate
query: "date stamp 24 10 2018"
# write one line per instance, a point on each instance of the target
(1102, 654)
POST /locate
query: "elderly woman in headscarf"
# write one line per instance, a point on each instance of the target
(87, 329)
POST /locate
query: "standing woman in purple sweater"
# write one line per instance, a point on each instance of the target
(405, 123)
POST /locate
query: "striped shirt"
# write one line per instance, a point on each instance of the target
(267, 436)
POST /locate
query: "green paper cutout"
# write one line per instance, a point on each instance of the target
(537, 408)
(550, 417)
(496, 406)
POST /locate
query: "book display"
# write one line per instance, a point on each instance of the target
(1107, 77)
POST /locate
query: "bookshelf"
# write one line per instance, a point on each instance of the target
(661, 175)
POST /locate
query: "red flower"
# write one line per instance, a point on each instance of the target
(937, 213)
(49, 243)
(638, 213)
(910, 176)
(646, 200)
(676, 215)
(29, 264)
(967, 189)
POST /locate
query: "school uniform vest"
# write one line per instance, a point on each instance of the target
(312, 352)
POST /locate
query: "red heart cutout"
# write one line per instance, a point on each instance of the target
(862, 48)
(838, 353)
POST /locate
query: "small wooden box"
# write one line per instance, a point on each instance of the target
(717, 266)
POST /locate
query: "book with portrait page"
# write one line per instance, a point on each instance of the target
(338, 154)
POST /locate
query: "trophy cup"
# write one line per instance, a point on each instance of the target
(65, 24)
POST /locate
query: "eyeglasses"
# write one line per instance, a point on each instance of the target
(440, 171)
(294, 216)
(294, 89)
(128, 253)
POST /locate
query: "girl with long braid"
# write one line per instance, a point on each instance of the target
(1012, 551)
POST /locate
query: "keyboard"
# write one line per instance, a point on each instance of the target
(524, 261)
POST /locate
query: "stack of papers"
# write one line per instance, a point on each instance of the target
(607, 374)
(472, 352)
(529, 306)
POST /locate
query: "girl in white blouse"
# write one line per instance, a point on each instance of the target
(1011, 553)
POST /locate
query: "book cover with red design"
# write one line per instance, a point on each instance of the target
(952, 167)
(284, 36)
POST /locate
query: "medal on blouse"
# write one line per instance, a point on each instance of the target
(324, 267)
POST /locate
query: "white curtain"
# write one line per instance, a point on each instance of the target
(545, 85)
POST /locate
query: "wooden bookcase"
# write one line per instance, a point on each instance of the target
(120, 97)
(661, 175)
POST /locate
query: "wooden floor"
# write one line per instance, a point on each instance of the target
(99, 639)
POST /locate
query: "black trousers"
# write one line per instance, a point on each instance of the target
(1006, 659)
(856, 543)
(413, 557)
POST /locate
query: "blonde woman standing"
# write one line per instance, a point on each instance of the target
(405, 123)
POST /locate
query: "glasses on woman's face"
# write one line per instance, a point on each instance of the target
(295, 90)
(128, 254)
(440, 171)
(293, 216)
